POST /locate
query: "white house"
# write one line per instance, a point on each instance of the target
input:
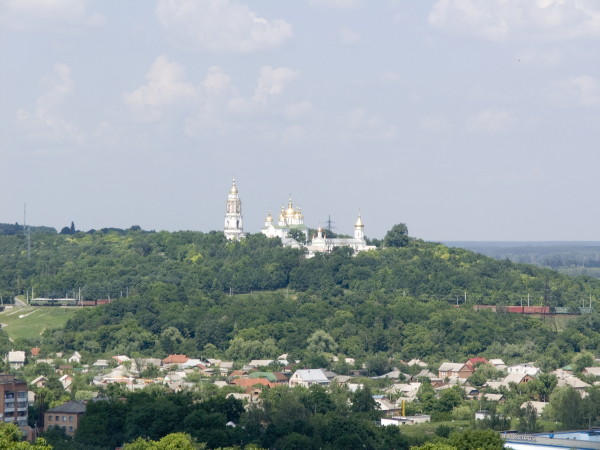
(308, 377)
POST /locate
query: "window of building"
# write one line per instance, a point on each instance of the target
(71, 428)
(50, 418)
(57, 418)
(22, 394)
(64, 418)
(70, 418)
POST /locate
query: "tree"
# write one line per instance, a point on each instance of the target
(297, 235)
(565, 407)
(476, 439)
(173, 441)
(11, 437)
(527, 419)
(397, 236)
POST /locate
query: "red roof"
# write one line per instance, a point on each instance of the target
(473, 361)
(249, 382)
(175, 359)
(35, 351)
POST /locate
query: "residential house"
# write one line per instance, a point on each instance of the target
(517, 378)
(472, 362)
(16, 359)
(256, 363)
(407, 391)
(66, 381)
(493, 397)
(100, 364)
(538, 406)
(308, 377)
(75, 358)
(40, 382)
(460, 370)
(526, 368)
(386, 406)
(249, 383)
(120, 359)
(66, 416)
(416, 362)
(498, 364)
(35, 352)
(13, 399)
(174, 359)
(594, 371)
(405, 420)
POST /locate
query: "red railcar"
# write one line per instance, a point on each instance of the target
(536, 310)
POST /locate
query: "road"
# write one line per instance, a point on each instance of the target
(19, 302)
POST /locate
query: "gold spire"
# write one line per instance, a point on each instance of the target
(359, 223)
(233, 187)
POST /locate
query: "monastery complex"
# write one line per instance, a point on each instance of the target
(290, 219)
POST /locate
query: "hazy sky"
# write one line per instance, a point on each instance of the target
(464, 119)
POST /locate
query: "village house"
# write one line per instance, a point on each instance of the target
(525, 368)
(75, 358)
(449, 370)
(16, 359)
(308, 377)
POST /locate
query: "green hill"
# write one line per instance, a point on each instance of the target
(387, 302)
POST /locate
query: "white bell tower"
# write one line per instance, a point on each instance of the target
(234, 227)
(359, 228)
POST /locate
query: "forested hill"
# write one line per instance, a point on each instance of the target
(179, 287)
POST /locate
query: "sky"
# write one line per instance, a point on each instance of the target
(463, 119)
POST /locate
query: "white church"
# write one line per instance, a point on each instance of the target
(289, 219)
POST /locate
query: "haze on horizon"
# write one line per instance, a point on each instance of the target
(468, 120)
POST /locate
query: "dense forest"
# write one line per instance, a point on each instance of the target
(572, 258)
(199, 294)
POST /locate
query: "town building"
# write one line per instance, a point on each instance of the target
(66, 416)
(234, 225)
(321, 244)
(13, 400)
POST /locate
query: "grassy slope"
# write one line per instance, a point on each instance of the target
(34, 320)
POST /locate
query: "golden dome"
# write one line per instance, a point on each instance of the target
(269, 217)
(233, 189)
(359, 223)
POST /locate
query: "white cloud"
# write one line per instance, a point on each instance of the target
(220, 104)
(358, 123)
(47, 15)
(549, 58)
(44, 122)
(166, 86)
(295, 111)
(389, 77)
(272, 82)
(491, 121)
(584, 89)
(433, 124)
(501, 20)
(341, 4)
(348, 36)
(221, 25)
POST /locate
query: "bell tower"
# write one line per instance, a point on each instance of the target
(234, 227)
(359, 228)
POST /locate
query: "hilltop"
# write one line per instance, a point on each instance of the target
(179, 293)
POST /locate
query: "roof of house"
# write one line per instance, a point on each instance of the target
(493, 397)
(451, 367)
(268, 375)
(474, 361)
(175, 359)
(573, 382)
(514, 378)
(249, 382)
(16, 356)
(417, 362)
(260, 362)
(72, 407)
(35, 351)
(592, 371)
(311, 375)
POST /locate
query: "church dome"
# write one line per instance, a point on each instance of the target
(359, 223)
(233, 189)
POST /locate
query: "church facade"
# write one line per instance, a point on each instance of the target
(290, 221)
